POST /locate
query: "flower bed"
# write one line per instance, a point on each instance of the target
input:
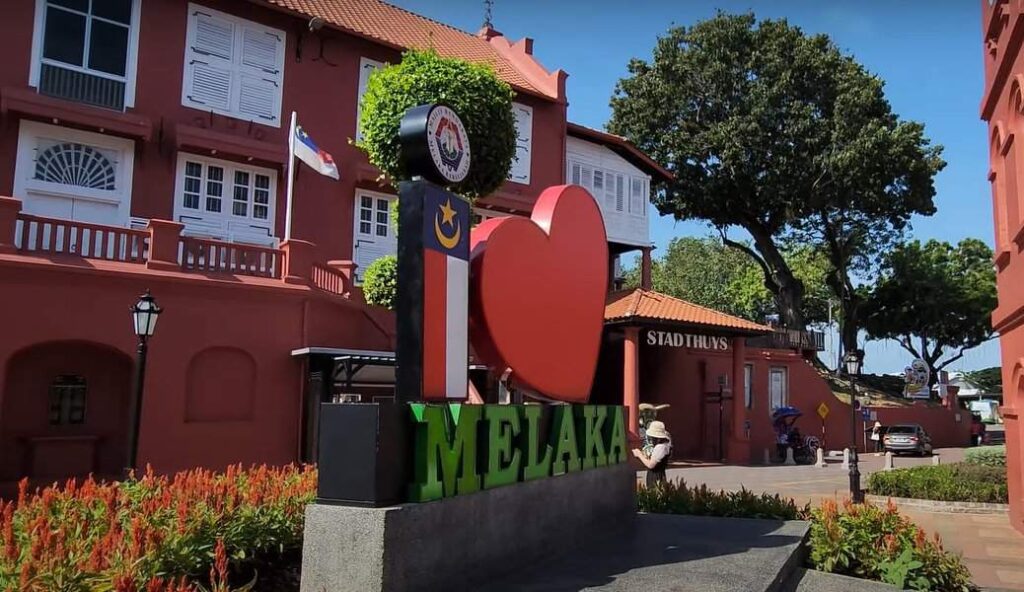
(859, 540)
(154, 534)
(958, 482)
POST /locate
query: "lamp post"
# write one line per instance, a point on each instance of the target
(144, 316)
(853, 361)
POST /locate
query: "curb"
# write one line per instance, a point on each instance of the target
(942, 506)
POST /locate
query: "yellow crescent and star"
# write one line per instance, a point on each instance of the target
(446, 216)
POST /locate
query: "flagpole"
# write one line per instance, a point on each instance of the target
(291, 180)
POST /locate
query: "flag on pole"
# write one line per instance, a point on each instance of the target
(445, 294)
(308, 152)
(302, 146)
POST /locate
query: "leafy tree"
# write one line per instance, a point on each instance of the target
(935, 299)
(989, 380)
(482, 100)
(705, 272)
(778, 133)
(380, 282)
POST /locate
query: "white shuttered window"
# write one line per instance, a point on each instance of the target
(366, 67)
(233, 67)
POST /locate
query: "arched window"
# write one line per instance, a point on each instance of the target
(76, 164)
(67, 400)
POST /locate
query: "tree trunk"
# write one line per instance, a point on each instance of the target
(786, 289)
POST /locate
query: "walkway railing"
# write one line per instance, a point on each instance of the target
(330, 280)
(212, 256)
(789, 339)
(92, 241)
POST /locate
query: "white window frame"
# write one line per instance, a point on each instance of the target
(25, 185)
(361, 89)
(392, 232)
(131, 63)
(190, 31)
(785, 388)
(227, 197)
(529, 146)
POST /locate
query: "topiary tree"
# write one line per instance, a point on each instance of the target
(380, 282)
(483, 102)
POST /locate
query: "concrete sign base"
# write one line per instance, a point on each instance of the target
(447, 544)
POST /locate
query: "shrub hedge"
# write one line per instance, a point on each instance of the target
(989, 456)
(675, 497)
(958, 482)
(154, 534)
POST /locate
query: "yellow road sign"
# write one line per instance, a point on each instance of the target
(823, 411)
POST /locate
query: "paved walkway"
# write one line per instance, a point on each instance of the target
(992, 549)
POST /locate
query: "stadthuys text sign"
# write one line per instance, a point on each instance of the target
(460, 449)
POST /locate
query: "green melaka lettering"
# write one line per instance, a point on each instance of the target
(522, 443)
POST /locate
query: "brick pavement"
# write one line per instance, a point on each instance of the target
(991, 548)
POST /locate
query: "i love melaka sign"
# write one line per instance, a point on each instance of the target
(528, 293)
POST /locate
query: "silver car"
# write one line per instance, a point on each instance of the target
(909, 437)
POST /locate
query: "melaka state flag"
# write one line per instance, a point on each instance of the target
(446, 227)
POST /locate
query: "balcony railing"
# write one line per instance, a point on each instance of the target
(330, 280)
(92, 241)
(789, 339)
(161, 246)
(199, 254)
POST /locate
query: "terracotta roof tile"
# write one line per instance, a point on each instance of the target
(646, 305)
(399, 28)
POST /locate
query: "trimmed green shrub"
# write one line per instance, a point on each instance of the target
(675, 497)
(482, 100)
(959, 482)
(866, 541)
(380, 282)
(989, 456)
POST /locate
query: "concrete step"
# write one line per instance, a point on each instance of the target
(809, 580)
(666, 553)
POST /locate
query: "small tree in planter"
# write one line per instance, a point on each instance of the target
(484, 104)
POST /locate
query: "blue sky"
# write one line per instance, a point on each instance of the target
(929, 54)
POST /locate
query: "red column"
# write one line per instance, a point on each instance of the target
(9, 209)
(739, 445)
(164, 236)
(298, 261)
(631, 380)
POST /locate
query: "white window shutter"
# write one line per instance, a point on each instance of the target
(520, 170)
(214, 37)
(209, 85)
(257, 98)
(609, 190)
(619, 193)
(261, 49)
(366, 67)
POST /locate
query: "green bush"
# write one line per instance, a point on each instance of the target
(675, 497)
(989, 456)
(865, 541)
(959, 482)
(482, 100)
(380, 282)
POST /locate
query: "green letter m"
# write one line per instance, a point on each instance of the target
(445, 440)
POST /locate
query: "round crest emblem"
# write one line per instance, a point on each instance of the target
(448, 143)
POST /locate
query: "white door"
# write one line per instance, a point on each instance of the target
(374, 235)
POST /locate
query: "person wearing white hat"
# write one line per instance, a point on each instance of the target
(876, 437)
(657, 461)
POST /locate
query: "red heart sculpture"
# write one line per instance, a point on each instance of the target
(537, 293)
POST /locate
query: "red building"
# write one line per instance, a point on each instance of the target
(144, 144)
(1002, 106)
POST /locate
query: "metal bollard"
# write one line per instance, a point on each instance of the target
(789, 456)
(888, 466)
(846, 459)
(936, 460)
(821, 459)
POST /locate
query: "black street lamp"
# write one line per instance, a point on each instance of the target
(853, 360)
(144, 316)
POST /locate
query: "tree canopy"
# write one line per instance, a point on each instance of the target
(777, 132)
(705, 272)
(935, 299)
(482, 100)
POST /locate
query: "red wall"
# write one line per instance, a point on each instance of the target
(1002, 38)
(324, 96)
(227, 339)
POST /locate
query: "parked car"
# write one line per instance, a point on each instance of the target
(909, 437)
